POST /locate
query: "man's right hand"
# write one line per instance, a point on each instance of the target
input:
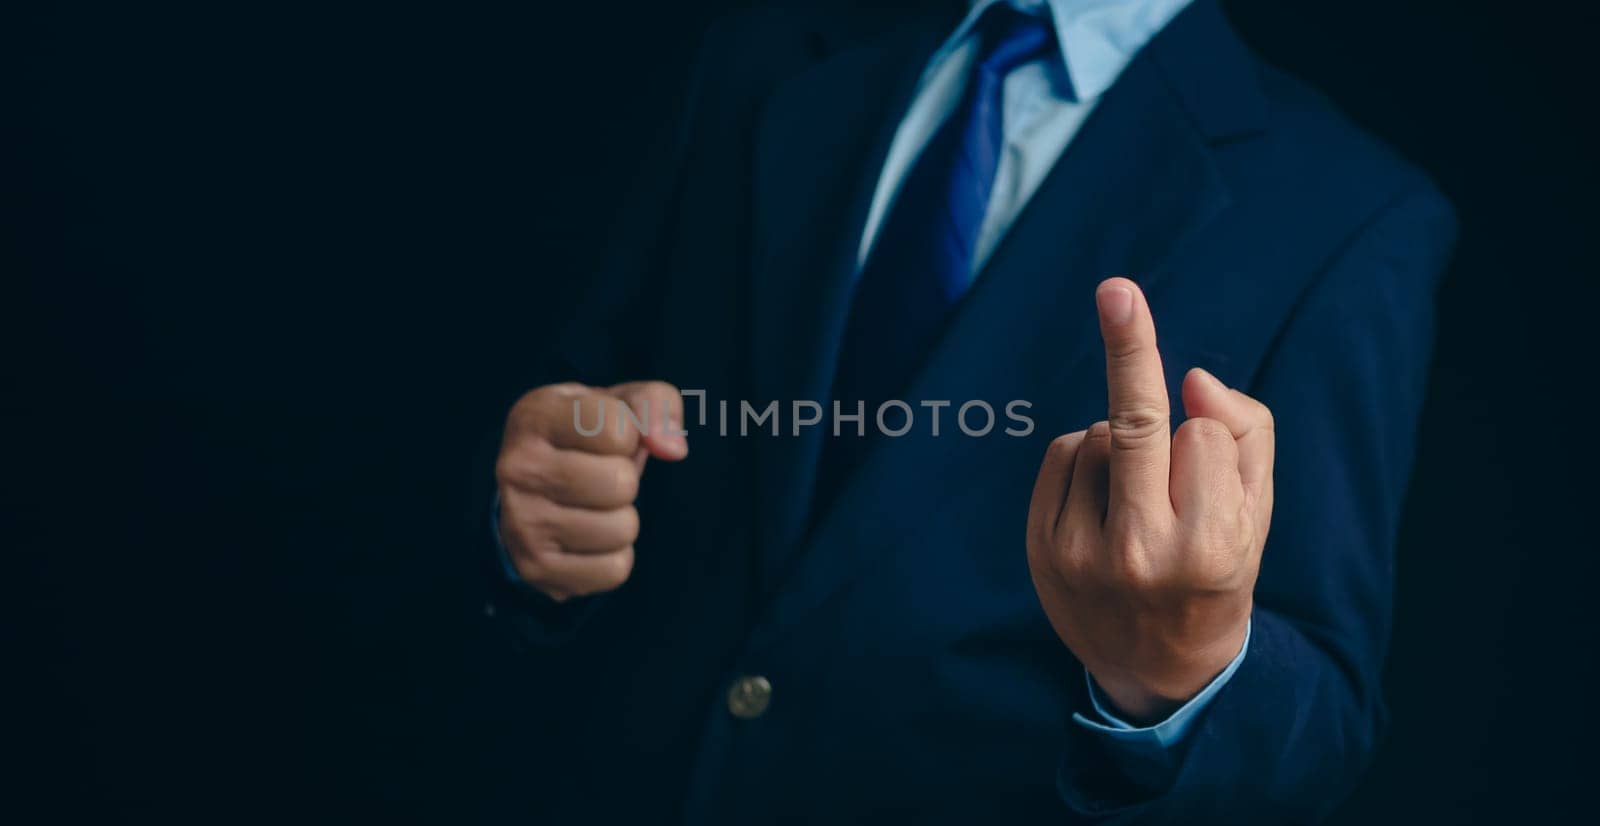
(566, 497)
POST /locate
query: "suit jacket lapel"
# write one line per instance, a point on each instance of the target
(821, 142)
(1138, 180)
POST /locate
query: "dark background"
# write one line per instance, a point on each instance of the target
(271, 271)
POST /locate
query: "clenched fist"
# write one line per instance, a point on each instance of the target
(566, 492)
(1143, 543)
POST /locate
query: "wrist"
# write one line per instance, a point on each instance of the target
(1152, 694)
(1138, 704)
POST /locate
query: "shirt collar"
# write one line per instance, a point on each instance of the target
(1097, 38)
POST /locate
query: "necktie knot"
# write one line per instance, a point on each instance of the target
(1009, 38)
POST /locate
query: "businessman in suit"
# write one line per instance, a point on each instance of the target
(1165, 600)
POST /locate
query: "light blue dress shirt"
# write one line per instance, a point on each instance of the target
(1097, 38)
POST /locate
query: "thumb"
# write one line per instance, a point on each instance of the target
(659, 406)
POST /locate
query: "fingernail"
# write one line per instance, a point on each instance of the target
(1116, 305)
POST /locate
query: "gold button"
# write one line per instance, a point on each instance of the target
(748, 696)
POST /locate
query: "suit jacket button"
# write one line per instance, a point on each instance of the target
(748, 696)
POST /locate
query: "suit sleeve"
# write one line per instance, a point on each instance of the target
(1290, 734)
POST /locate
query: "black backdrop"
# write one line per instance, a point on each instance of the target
(270, 270)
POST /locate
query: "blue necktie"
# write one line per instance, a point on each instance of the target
(921, 261)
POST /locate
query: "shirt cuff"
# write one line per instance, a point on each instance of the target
(1167, 733)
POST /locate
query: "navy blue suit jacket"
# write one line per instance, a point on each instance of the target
(914, 673)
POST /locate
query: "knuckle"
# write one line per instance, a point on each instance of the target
(1038, 542)
(544, 468)
(627, 482)
(1077, 549)
(1041, 559)
(1126, 348)
(1258, 410)
(1208, 430)
(1205, 435)
(618, 434)
(534, 402)
(1045, 539)
(546, 460)
(629, 529)
(1123, 533)
(1079, 537)
(1218, 569)
(560, 389)
(616, 569)
(1072, 565)
(528, 403)
(1062, 448)
(1210, 534)
(507, 471)
(1137, 425)
(1131, 553)
(539, 516)
(539, 411)
(529, 462)
(1132, 568)
(1211, 548)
